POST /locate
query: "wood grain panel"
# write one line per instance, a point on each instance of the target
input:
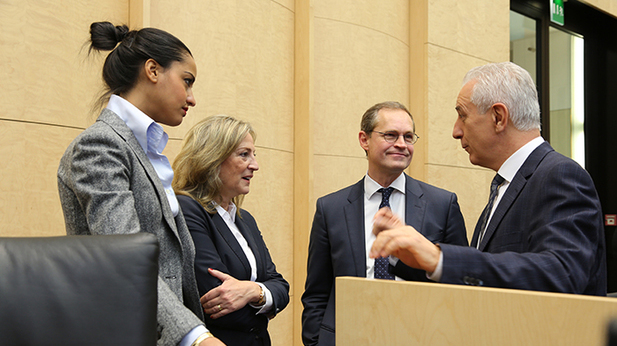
(407, 313)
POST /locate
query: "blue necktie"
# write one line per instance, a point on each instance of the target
(381, 264)
(495, 184)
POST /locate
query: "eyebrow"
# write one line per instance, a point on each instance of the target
(394, 131)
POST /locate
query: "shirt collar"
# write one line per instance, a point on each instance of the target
(371, 186)
(516, 160)
(229, 215)
(140, 124)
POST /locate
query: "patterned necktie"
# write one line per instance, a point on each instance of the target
(495, 184)
(381, 263)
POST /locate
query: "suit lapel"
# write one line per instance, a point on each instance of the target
(250, 239)
(415, 206)
(514, 189)
(476, 231)
(125, 132)
(232, 242)
(354, 218)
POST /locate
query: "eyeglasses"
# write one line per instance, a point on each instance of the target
(392, 137)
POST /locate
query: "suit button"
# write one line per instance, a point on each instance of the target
(472, 281)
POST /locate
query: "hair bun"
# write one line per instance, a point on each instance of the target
(105, 36)
(121, 32)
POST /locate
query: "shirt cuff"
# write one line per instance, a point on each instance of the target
(191, 336)
(436, 275)
(393, 260)
(267, 307)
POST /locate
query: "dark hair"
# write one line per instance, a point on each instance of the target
(122, 65)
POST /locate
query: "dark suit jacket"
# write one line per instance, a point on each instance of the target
(546, 233)
(337, 246)
(107, 185)
(217, 248)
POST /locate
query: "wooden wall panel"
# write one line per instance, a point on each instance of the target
(48, 84)
(361, 58)
(461, 35)
(45, 73)
(608, 6)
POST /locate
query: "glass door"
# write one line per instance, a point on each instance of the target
(523, 41)
(564, 128)
(567, 94)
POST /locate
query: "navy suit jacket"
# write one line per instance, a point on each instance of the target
(217, 248)
(546, 233)
(337, 246)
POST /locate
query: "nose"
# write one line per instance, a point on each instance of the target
(457, 132)
(190, 98)
(400, 142)
(253, 165)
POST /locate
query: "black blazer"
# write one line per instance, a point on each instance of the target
(217, 248)
(337, 246)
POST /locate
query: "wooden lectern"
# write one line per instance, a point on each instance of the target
(381, 312)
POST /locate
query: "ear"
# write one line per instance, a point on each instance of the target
(501, 116)
(152, 70)
(363, 139)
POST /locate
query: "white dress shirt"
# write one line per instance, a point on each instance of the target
(372, 200)
(509, 168)
(230, 220)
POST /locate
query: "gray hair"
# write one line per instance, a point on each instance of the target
(511, 85)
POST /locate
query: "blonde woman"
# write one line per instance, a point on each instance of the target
(240, 287)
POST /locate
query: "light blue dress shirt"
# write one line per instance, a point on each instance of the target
(152, 139)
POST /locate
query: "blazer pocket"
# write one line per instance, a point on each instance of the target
(326, 336)
(327, 329)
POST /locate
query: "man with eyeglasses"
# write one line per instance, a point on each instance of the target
(341, 235)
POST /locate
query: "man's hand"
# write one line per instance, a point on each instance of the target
(232, 295)
(385, 219)
(403, 242)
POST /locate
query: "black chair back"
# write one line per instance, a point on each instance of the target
(79, 290)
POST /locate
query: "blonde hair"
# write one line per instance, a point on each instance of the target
(204, 149)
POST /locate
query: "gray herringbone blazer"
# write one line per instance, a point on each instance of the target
(107, 185)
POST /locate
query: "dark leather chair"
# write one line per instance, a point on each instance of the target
(612, 333)
(79, 290)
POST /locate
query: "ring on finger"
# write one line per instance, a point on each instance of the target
(220, 307)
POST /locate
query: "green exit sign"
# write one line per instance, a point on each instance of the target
(557, 11)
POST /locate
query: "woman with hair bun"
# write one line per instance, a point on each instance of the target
(114, 179)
